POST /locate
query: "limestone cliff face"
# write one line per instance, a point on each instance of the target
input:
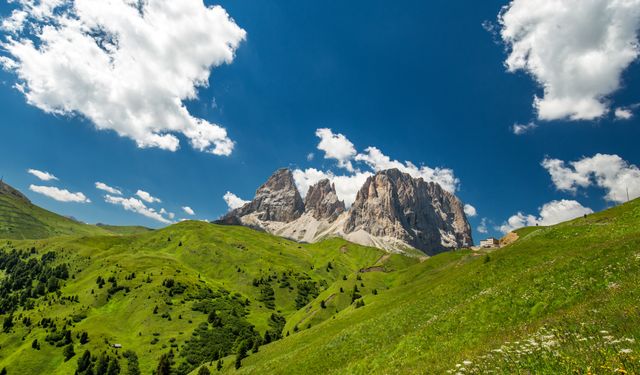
(322, 201)
(392, 211)
(277, 199)
(421, 214)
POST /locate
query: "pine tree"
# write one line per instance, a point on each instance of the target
(102, 365)
(68, 352)
(84, 362)
(204, 371)
(241, 354)
(84, 338)
(219, 365)
(114, 367)
(164, 365)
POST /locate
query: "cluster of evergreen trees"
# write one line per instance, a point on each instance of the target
(106, 364)
(28, 277)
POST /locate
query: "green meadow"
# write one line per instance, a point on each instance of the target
(194, 295)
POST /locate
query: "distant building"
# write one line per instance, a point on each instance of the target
(490, 243)
(117, 346)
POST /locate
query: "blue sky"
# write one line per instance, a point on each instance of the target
(423, 82)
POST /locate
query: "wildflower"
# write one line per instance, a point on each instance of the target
(466, 363)
(625, 351)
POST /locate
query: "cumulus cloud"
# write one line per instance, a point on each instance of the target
(126, 65)
(519, 129)
(137, 206)
(378, 161)
(170, 215)
(483, 227)
(470, 211)
(188, 210)
(623, 113)
(610, 172)
(44, 176)
(576, 50)
(347, 186)
(61, 195)
(104, 187)
(233, 201)
(550, 213)
(336, 146)
(147, 197)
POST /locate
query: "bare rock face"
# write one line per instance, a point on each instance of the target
(392, 211)
(392, 204)
(322, 201)
(277, 200)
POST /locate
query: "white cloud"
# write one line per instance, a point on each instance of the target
(170, 215)
(623, 113)
(104, 187)
(609, 172)
(44, 176)
(137, 206)
(551, 213)
(575, 49)
(347, 186)
(61, 195)
(556, 212)
(147, 197)
(517, 221)
(126, 65)
(188, 210)
(519, 129)
(336, 146)
(470, 211)
(482, 228)
(377, 161)
(310, 156)
(233, 201)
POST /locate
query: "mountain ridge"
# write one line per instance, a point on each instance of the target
(392, 211)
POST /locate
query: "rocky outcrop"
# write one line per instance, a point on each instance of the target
(392, 210)
(395, 205)
(277, 200)
(322, 201)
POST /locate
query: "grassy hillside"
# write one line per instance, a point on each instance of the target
(562, 299)
(160, 287)
(20, 219)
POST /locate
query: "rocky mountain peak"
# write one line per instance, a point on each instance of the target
(392, 210)
(322, 201)
(395, 205)
(277, 200)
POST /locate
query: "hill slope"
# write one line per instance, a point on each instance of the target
(21, 219)
(560, 299)
(156, 291)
